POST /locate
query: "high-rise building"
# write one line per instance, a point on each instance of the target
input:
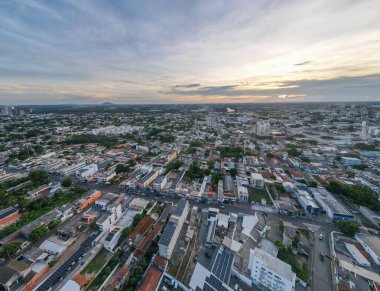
(263, 128)
(7, 110)
(210, 121)
(270, 272)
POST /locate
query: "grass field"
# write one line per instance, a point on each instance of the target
(97, 262)
(256, 195)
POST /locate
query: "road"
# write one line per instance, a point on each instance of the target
(320, 270)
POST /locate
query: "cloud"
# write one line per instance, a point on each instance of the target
(134, 51)
(303, 63)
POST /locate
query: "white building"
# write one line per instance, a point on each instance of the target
(106, 178)
(171, 232)
(350, 161)
(263, 128)
(306, 201)
(112, 239)
(68, 170)
(211, 121)
(257, 180)
(115, 130)
(87, 171)
(270, 272)
(371, 244)
(160, 183)
(113, 214)
(242, 184)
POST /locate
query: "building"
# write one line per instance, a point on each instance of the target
(91, 198)
(257, 180)
(262, 128)
(86, 172)
(351, 161)
(69, 170)
(216, 276)
(40, 191)
(112, 239)
(228, 188)
(171, 232)
(108, 219)
(370, 215)
(242, 188)
(154, 275)
(306, 201)
(160, 183)
(106, 178)
(270, 272)
(210, 121)
(332, 207)
(371, 244)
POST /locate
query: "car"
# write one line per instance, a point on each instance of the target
(320, 237)
(222, 206)
(322, 257)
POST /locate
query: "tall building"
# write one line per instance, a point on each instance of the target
(270, 272)
(263, 128)
(7, 110)
(210, 121)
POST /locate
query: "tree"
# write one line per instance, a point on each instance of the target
(38, 232)
(312, 184)
(67, 182)
(233, 172)
(120, 168)
(347, 227)
(39, 177)
(10, 249)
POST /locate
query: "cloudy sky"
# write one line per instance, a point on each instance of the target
(188, 51)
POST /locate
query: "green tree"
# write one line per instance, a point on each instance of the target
(120, 168)
(38, 232)
(10, 249)
(347, 227)
(67, 182)
(233, 172)
(39, 177)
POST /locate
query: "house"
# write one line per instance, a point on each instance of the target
(257, 180)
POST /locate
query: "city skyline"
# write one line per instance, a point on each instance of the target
(140, 52)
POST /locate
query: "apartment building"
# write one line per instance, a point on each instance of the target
(269, 272)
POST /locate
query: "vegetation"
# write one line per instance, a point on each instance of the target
(167, 138)
(120, 168)
(233, 172)
(215, 177)
(175, 165)
(67, 182)
(361, 167)
(365, 147)
(39, 177)
(194, 173)
(312, 184)
(363, 196)
(347, 227)
(10, 249)
(286, 254)
(38, 232)
(97, 262)
(138, 270)
(40, 206)
(256, 195)
(232, 152)
(104, 273)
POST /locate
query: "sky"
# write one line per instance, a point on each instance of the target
(188, 51)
